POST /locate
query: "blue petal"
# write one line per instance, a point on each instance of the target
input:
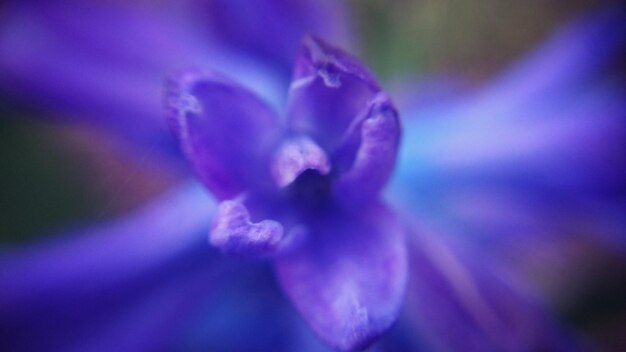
(347, 275)
(248, 304)
(57, 293)
(460, 302)
(529, 158)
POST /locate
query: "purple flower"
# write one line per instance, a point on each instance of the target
(305, 191)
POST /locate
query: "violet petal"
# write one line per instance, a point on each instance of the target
(224, 130)
(329, 90)
(347, 278)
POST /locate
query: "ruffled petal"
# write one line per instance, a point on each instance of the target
(234, 232)
(347, 276)
(329, 91)
(56, 293)
(225, 131)
(456, 302)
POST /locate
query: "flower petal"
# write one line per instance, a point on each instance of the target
(54, 292)
(329, 91)
(149, 318)
(347, 278)
(67, 58)
(530, 159)
(579, 51)
(235, 233)
(517, 174)
(378, 139)
(248, 303)
(459, 302)
(224, 130)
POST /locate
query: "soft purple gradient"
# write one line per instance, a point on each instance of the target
(343, 264)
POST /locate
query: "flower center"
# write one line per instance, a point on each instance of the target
(310, 188)
(301, 168)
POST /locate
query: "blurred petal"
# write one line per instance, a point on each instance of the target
(151, 318)
(224, 130)
(347, 278)
(577, 52)
(69, 58)
(247, 304)
(460, 303)
(255, 26)
(329, 91)
(520, 174)
(53, 292)
(431, 91)
(492, 164)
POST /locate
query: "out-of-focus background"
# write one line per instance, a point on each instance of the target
(55, 175)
